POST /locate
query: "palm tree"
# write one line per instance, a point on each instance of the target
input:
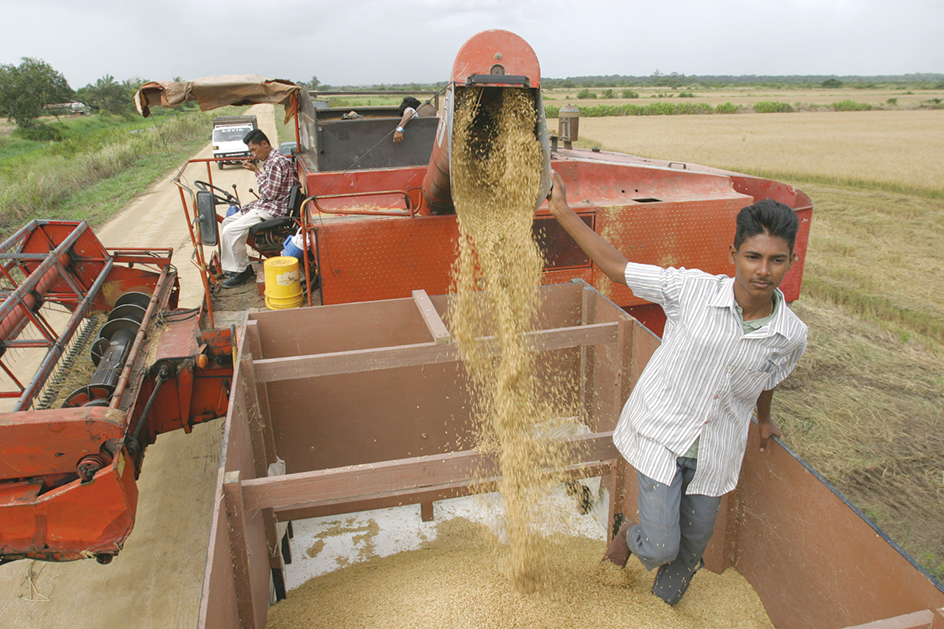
(108, 95)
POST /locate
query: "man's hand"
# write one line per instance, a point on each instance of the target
(397, 137)
(767, 426)
(557, 200)
(767, 429)
(608, 259)
(249, 165)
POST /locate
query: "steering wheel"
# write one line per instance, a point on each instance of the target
(219, 195)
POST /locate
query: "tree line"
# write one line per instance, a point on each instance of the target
(25, 90)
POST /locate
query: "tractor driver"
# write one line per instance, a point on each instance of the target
(727, 343)
(275, 175)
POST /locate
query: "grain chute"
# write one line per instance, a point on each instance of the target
(493, 60)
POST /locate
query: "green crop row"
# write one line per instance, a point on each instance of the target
(628, 109)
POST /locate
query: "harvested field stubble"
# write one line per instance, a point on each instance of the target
(900, 149)
(801, 98)
(866, 410)
(456, 581)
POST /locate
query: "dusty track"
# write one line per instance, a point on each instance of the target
(156, 580)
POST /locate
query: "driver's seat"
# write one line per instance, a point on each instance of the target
(268, 236)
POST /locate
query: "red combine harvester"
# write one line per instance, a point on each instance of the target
(67, 483)
(381, 234)
(379, 215)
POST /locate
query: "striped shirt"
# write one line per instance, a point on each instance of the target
(704, 379)
(275, 178)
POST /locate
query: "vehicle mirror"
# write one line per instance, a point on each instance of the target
(206, 218)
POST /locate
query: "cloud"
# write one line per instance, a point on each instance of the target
(366, 41)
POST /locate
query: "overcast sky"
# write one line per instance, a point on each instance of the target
(357, 42)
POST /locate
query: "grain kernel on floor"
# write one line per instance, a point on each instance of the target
(457, 581)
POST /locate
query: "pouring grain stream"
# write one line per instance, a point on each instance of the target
(496, 176)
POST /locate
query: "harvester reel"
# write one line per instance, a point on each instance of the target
(219, 195)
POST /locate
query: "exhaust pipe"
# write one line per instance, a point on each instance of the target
(494, 59)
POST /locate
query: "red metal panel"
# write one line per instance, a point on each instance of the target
(197, 394)
(357, 181)
(37, 443)
(124, 279)
(488, 48)
(690, 234)
(76, 520)
(87, 255)
(668, 214)
(373, 259)
(623, 178)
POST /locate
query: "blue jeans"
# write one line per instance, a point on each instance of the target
(673, 527)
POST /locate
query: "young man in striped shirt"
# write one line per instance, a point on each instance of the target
(727, 343)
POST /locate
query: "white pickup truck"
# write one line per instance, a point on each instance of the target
(228, 134)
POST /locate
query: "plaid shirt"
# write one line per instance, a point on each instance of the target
(704, 380)
(276, 177)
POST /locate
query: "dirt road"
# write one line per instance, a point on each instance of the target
(156, 580)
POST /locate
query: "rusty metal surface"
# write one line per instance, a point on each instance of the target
(197, 393)
(814, 559)
(67, 483)
(366, 260)
(485, 50)
(74, 521)
(37, 443)
(663, 213)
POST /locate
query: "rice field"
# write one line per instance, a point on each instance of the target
(900, 150)
(888, 96)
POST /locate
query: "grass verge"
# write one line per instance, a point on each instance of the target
(101, 166)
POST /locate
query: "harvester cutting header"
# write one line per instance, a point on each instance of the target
(72, 452)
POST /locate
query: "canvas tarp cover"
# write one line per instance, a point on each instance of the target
(217, 91)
